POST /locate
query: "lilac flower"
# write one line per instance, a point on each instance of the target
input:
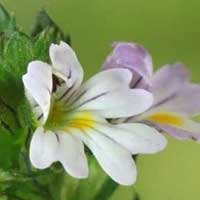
(176, 100)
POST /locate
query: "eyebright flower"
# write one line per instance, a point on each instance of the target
(176, 100)
(70, 113)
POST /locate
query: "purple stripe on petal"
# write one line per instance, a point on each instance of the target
(177, 133)
(186, 100)
(93, 98)
(168, 81)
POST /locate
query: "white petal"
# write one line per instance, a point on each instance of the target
(124, 102)
(108, 93)
(108, 80)
(72, 156)
(43, 148)
(65, 64)
(115, 160)
(105, 81)
(38, 83)
(135, 137)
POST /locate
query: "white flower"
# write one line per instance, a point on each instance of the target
(70, 114)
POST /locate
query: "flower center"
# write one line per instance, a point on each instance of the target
(63, 117)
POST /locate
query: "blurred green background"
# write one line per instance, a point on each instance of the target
(170, 30)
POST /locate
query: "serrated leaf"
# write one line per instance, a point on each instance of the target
(42, 22)
(45, 25)
(15, 115)
(17, 53)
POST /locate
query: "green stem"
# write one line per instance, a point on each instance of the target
(136, 197)
(107, 189)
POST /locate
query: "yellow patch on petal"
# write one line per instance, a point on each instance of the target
(166, 118)
(83, 121)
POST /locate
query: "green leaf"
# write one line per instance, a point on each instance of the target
(5, 176)
(17, 185)
(44, 26)
(7, 113)
(24, 191)
(16, 119)
(17, 53)
(4, 16)
(42, 22)
(10, 149)
(43, 41)
(7, 22)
